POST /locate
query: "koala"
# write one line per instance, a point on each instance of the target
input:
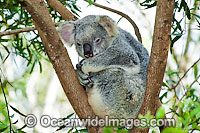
(114, 65)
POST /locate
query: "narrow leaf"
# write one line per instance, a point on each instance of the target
(17, 111)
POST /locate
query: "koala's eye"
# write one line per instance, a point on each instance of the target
(78, 44)
(97, 40)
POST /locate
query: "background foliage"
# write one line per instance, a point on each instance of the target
(180, 93)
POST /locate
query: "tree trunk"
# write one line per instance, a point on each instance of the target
(64, 69)
(158, 58)
(59, 58)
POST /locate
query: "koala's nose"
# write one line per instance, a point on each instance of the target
(87, 50)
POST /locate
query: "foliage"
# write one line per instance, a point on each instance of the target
(184, 108)
(26, 45)
(182, 99)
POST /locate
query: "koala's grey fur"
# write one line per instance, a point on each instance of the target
(115, 75)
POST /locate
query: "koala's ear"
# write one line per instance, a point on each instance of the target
(66, 31)
(108, 24)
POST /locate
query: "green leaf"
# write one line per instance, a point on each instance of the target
(196, 15)
(160, 113)
(90, 2)
(194, 112)
(198, 116)
(70, 130)
(107, 130)
(83, 131)
(186, 119)
(174, 40)
(17, 111)
(178, 34)
(7, 50)
(165, 85)
(122, 130)
(75, 12)
(22, 128)
(3, 126)
(163, 95)
(195, 71)
(76, 8)
(173, 130)
(12, 116)
(68, 116)
(3, 129)
(194, 125)
(32, 66)
(15, 122)
(19, 131)
(148, 5)
(186, 9)
(63, 126)
(39, 65)
(180, 105)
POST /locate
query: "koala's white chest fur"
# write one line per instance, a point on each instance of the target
(96, 102)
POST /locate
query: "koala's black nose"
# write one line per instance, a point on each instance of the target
(87, 50)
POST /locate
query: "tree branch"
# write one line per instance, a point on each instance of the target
(59, 57)
(186, 73)
(61, 9)
(189, 88)
(10, 126)
(136, 29)
(4, 33)
(158, 58)
(56, 5)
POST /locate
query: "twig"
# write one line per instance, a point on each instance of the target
(61, 9)
(4, 33)
(185, 74)
(6, 105)
(17, 31)
(137, 32)
(196, 80)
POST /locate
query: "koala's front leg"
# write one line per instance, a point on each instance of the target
(84, 79)
(88, 66)
(113, 57)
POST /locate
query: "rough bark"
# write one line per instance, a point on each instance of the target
(158, 58)
(59, 57)
(61, 9)
(4, 33)
(62, 64)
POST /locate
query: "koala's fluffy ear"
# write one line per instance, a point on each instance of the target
(108, 24)
(66, 31)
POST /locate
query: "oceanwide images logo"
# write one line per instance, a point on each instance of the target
(46, 121)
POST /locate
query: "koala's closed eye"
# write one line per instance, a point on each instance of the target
(79, 45)
(97, 40)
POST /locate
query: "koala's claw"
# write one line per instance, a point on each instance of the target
(84, 79)
(79, 65)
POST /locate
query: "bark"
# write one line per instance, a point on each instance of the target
(59, 57)
(158, 58)
(66, 74)
(136, 29)
(59, 7)
(4, 33)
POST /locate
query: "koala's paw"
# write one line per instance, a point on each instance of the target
(83, 66)
(79, 65)
(85, 79)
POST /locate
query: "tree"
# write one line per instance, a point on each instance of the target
(60, 60)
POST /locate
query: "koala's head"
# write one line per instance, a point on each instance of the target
(91, 35)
